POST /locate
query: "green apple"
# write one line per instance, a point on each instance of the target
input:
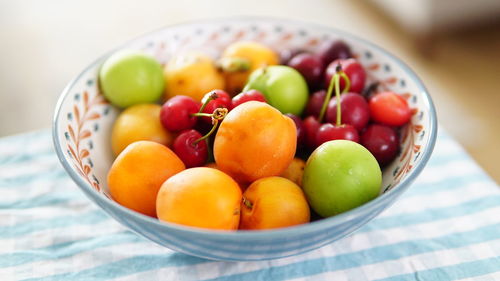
(283, 87)
(340, 175)
(131, 77)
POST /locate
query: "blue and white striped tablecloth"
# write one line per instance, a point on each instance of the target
(446, 227)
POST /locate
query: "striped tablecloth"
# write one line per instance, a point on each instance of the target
(446, 227)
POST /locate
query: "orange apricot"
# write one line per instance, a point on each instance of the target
(139, 122)
(273, 202)
(256, 54)
(295, 171)
(200, 197)
(254, 141)
(138, 173)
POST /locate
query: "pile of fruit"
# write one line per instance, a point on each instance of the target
(253, 140)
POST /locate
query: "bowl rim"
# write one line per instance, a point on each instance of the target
(262, 234)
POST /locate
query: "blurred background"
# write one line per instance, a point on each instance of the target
(453, 45)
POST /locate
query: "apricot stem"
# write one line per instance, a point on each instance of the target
(233, 64)
(247, 203)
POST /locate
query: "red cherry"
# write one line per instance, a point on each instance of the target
(389, 108)
(331, 50)
(300, 128)
(353, 69)
(382, 141)
(354, 111)
(223, 100)
(328, 132)
(250, 95)
(315, 103)
(175, 114)
(311, 126)
(193, 155)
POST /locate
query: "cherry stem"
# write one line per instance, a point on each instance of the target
(211, 97)
(327, 99)
(217, 115)
(337, 96)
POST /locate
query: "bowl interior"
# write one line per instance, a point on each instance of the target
(84, 119)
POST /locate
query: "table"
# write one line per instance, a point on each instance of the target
(446, 227)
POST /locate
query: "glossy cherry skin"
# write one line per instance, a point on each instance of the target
(287, 54)
(390, 109)
(328, 132)
(310, 66)
(300, 128)
(247, 96)
(193, 155)
(354, 110)
(223, 100)
(353, 69)
(311, 126)
(382, 141)
(175, 114)
(331, 50)
(315, 103)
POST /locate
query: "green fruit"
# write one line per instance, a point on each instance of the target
(340, 175)
(283, 87)
(131, 77)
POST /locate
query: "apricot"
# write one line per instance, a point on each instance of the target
(138, 173)
(256, 54)
(200, 197)
(254, 141)
(139, 122)
(295, 171)
(192, 74)
(273, 202)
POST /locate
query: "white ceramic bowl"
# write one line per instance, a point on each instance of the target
(83, 120)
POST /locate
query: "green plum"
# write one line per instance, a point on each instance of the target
(131, 77)
(283, 87)
(340, 175)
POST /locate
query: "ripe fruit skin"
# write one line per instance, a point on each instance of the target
(257, 54)
(390, 109)
(222, 100)
(328, 132)
(332, 50)
(283, 87)
(382, 141)
(200, 197)
(191, 74)
(138, 173)
(193, 155)
(310, 66)
(311, 126)
(130, 77)
(176, 113)
(254, 141)
(295, 171)
(354, 111)
(315, 103)
(300, 130)
(139, 122)
(276, 202)
(340, 175)
(247, 96)
(353, 69)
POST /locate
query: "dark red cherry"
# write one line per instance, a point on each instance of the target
(311, 126)
(353, 69)
(223, 100)
(315, 103)
(250, 95)
(382, 141)
(300, 128)
(354, 111)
